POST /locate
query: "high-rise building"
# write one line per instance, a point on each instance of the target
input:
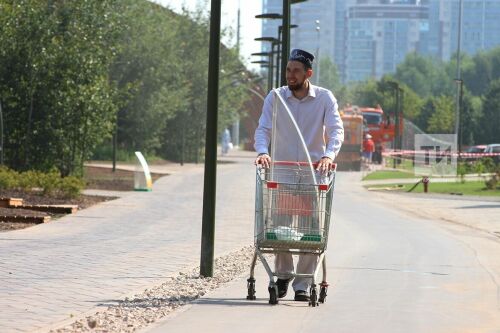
(309, 16)
(480, 25)
(379, 36)
(369, 38)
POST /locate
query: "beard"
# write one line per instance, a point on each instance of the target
(297, 85)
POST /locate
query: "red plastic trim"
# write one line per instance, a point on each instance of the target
(272, 185)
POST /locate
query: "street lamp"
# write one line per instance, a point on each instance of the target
(270, 65)
(317, 53)
(459, 80)
(395, 85)
(458, 128)
(270, 62)
(210, 174)
(286, 36)
(271, 16)
(278, 58)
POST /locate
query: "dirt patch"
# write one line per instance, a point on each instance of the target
(105, 179)
(95, 177)
(34, 198)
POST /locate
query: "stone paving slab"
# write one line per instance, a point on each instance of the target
(57, 271)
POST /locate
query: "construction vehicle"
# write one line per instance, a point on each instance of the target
(374, 122)
(349, 157)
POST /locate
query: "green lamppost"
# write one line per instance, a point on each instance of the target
(210, 176)
(285, 43)
(270, 64)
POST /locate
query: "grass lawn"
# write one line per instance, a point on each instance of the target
(467, 188)
(389, 174)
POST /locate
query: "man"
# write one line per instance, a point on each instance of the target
(226, 141)
(315, 111)
(368, 148)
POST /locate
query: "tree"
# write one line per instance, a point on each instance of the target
(329, 76)
(442, 119)
(58, 101)
(146, 71)
(424, 76)
(483, 69)
(490, 120)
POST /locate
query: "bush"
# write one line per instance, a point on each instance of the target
(71, 186)
(489, 164)
(29, 180)
(8, 178)
(50, 183)
(462, 170)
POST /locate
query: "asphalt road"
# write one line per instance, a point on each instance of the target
(389, 272)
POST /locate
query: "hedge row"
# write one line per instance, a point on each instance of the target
(50, 183)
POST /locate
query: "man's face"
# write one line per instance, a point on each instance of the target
(296, 75)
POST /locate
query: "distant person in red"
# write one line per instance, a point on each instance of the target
(368, 148)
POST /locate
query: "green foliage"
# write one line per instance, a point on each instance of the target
(146, 74)
(57, 99)
(329, 76)
(471, 115)
(424, 76)
(49, 183)
(483, 69)
(71, 187)
(8, 178)
(441, 110)
(72, 73)
(490, 120)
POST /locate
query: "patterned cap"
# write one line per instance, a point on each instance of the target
(304, 57)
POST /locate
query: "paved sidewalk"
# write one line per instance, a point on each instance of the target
(53, 272)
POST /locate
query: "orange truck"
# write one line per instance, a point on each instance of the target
(349, 157)
(373, 122)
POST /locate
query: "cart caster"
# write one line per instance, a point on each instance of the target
(251, 289)
(322, 293)
(313, 297)
(273, 295)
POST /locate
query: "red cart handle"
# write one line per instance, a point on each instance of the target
(333, 166)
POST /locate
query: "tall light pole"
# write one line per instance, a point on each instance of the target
(397, 90)
(458, 128)
(285, 42)
(270, 64)
(210, 176)
(318, 30)
(278, 54)
(459, 76)
(276, 42)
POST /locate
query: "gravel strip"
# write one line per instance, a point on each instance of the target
(157, 302)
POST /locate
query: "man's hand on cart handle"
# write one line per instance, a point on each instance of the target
(324, 164)
(264, 160)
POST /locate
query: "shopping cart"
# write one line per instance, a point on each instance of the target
(292, 215)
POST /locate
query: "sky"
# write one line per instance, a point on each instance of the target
(250, 26)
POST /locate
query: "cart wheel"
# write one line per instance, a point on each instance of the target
(313, 297)
(251, 289)
(273, 295)
(322, 293)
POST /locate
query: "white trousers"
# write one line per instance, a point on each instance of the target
(284, 269)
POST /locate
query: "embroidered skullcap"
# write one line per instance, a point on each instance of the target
(303, 56)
